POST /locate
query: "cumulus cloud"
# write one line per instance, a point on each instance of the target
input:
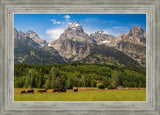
(66, 22)
(67, 17)
(54, 33)
(69, 23)
(55, 22)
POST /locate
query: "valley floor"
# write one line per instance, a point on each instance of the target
(84, 95)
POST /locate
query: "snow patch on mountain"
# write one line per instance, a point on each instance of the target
(76, 24)
(49, 44)
(106, 41)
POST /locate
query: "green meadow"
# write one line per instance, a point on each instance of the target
(84, 95)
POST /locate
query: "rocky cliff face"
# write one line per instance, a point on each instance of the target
(135, 51)
(136, 35)
(75, 32)
(73, 44)
(133, 44)
(104, 54)
(30, 38)
(101, 38)
(30, 49)
(72, 50)
(34, 36)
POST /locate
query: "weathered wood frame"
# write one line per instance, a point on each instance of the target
(150, 8)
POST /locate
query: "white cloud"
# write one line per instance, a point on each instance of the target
(55, 22)
(65, 23)
(69, 23)
(67, 17)
(54, 33)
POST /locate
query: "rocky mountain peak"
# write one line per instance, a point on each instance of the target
(75, 24)
(137, 30)
(100, 31)
(135, 35)
(31, 34)
(102, 38)
(31, 38)
(74, 28)
(98, 35)
(75, 33)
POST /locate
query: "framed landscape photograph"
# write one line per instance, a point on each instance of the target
(80, 57)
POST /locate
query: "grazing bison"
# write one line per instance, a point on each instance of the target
(75, 90)
(30, 91)
(23, 91)
(41, 91)
(59, 90)
(62, 90)
(56, 90)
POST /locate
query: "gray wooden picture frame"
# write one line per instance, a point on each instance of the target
(10, 107)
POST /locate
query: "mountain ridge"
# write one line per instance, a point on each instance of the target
(136, 36)
(74, 45)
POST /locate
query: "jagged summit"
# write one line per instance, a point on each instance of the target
(137, 30)
(31, 38)
(135, 35)
(100, 31)
(75, 24)
(74, 28)
(31, 34)
(74, 32)
(102, 38)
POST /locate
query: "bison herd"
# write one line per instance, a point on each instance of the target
(41, 91)
(29, 91)
(44, 90)
(59, 90)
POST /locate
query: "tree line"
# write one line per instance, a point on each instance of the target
(67, 76)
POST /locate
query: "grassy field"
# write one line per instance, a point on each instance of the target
(84, 95)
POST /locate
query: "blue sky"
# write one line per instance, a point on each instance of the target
(50, 26)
